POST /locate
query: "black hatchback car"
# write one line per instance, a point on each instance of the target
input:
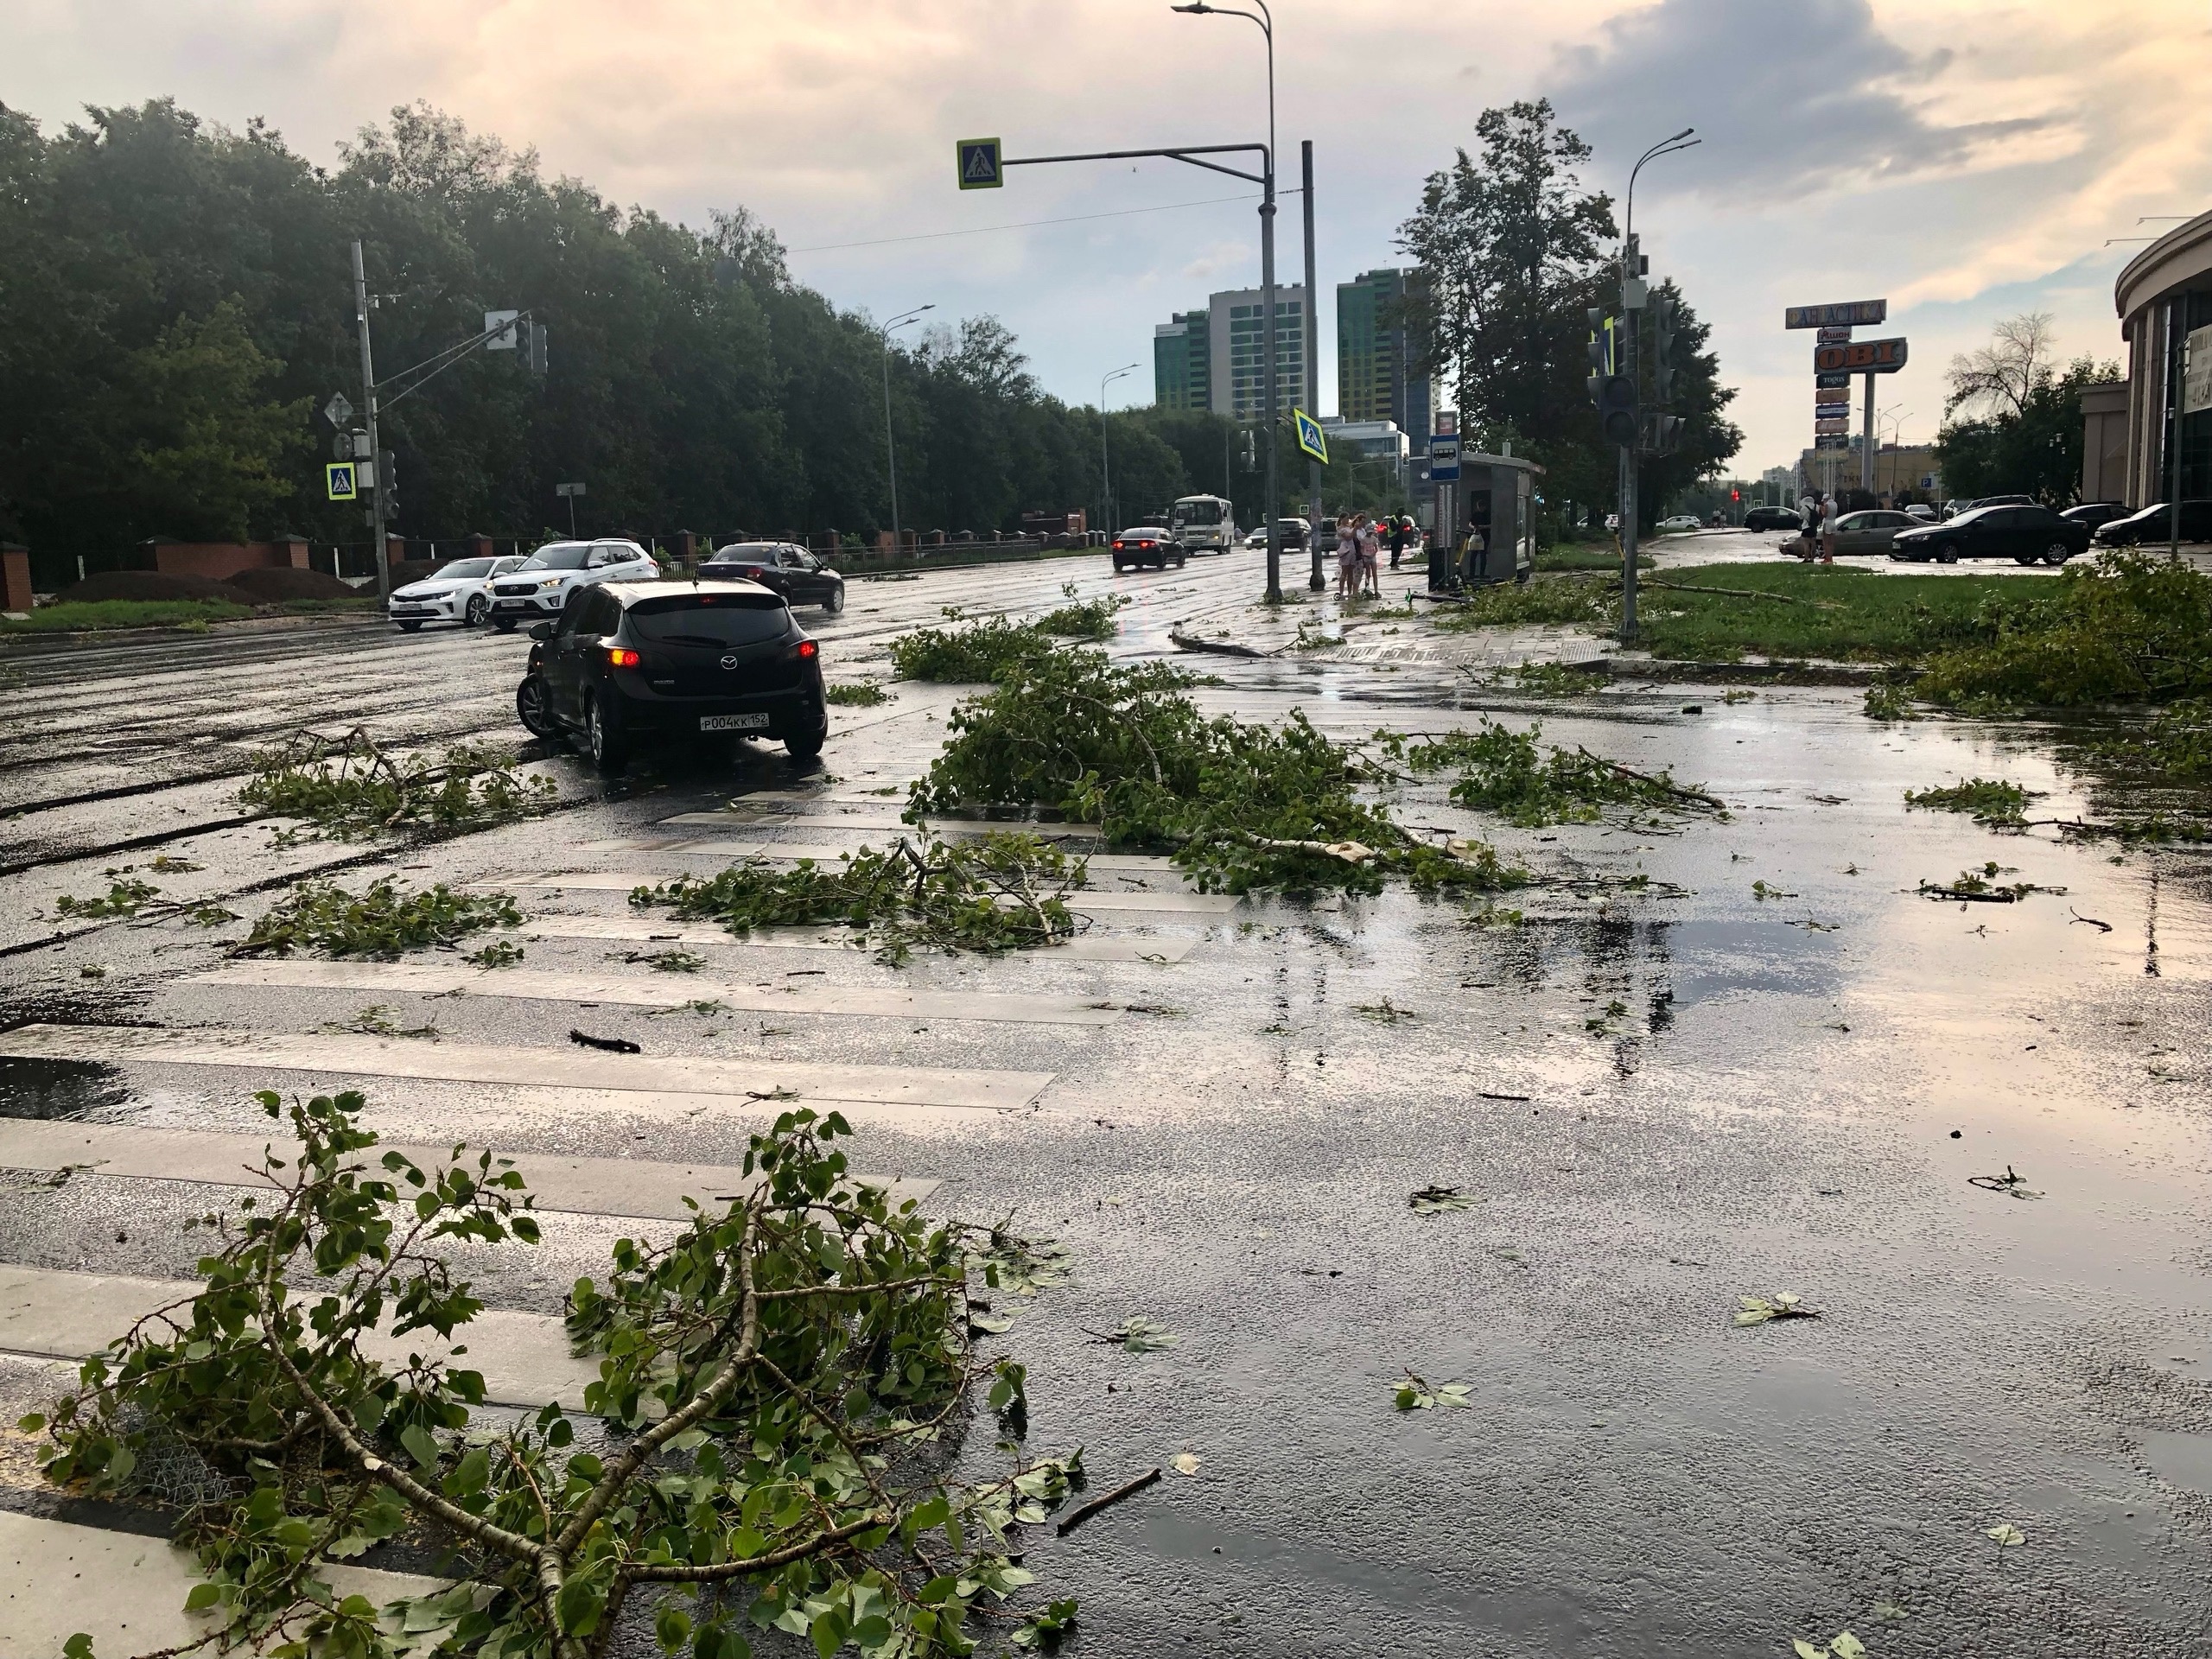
(630, 662)
(781, 567)
(2028, 534)
(2156, 524)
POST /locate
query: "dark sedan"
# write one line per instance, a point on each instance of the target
(1774, 518)
(2029, 534)
(784, 567)
(2094, 514)
(640, 660)
(2156, 524)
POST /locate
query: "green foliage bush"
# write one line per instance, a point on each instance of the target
(2134, 627)
(968, 656)
(351, 787)
(381, 922)
(1091, 619)
(779, 1376)
(1240, 806)
(1005, 892)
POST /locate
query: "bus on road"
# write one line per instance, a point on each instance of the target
(1203, 523)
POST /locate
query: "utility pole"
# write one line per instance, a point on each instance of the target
(369, 402)
(890, 442)
(1105, 478)
(1631, 307)
(1312, 365)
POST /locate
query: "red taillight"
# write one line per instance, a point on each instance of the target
(752, 573)
(1117, 547)
(621, 657)
(808, 648)
(1147, 543)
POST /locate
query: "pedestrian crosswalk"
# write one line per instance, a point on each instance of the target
(1160, 950)
(1081, 901)
(664, 990)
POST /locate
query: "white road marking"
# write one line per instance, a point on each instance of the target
(660, 991)
(524, 1357)
(738, 1079)
(1087, 947)
(124, 1590)
(558, 1181)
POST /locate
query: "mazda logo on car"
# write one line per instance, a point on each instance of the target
(730, 660)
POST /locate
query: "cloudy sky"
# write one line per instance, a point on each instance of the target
(1969, 159)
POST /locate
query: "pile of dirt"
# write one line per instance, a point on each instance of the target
(274, 583)
(413, 571)
(151, 585)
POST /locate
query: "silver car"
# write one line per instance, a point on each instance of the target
(1870, 531)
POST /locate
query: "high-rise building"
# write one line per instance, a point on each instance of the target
(1376, 379)
(1182, 364)
(1217, 359)
(1240, 357)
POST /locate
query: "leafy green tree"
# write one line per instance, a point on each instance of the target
(1708, 439)
(2014, 419)
(213, 452)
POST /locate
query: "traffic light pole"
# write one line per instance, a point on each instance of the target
(369, 400)
(1312, 367)
(1629, 316)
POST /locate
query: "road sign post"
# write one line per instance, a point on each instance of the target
(369, 395)
(337, 477)
(1311, 438)
(572, 492)
(979, 163)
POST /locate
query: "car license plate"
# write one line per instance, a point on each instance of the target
(732, 722)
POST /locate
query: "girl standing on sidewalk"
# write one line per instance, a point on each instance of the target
(1347, 556)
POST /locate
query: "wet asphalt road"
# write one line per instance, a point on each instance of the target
(1724, 1093)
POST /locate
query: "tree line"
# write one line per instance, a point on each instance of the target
(176, 307)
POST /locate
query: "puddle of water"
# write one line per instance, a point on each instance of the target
(2180, 1459)
(59, 1089)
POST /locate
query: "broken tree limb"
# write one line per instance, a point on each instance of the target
(1106, 1501)
(1668, 784)
(1182, 641)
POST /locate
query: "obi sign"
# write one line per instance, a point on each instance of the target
(1861, 357)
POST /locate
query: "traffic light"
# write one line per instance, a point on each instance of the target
(1604, 355)
(1735, 495)
(535, 344)
(1660, 435)
(1663, 347)
(1615, 397)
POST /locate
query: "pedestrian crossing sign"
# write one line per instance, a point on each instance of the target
(1309, 436)
(339, 475)
(979, 163)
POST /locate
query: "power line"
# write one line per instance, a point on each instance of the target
(1030, 223)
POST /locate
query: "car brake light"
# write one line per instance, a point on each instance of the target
(1117, 547)
(808, 648)
(1144, 544)
(620, 657)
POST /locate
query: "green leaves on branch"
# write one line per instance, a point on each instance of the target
(349, 787)
(1845, 1645)
(976, 654)
(381, 922)
(1991, 800)
(1138, 1335)
(778, 1379)
(1003, 893)
(1241, 807)
(125, 896)
(1418, 1394)
(1501, 772)
(1089, 619)
(1782, 1305)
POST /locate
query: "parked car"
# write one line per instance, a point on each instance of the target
(781, 567)
(1870, 530)
(460, 593)
(633, 661)
(2094, 513)
(2026, 534)
(2001, 501)
(1773, 519)
(2155, 524)
(1145, 545)
(1681, 521)
(1921, 511)
(541, 584)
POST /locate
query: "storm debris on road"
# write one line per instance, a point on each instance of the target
(1136, 1335)
(1500, 771)
(1782, 1305)
(609, 1045)
(1991, 801)
(1436, 1200)
(2010, 1183)
(1417, 1393)
(350, 786)
(384, 920)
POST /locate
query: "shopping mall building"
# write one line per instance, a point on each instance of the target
(2131, 445)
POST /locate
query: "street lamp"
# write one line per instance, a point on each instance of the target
(890, 445)
(1265, 19)
(1105, 478)
(1633, 302)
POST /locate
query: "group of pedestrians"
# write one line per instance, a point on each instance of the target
(1819, 535)
(1360, 541)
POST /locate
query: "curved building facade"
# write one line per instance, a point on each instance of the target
(2164, 294)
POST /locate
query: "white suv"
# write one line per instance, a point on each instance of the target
(539, 587)
(459, 591)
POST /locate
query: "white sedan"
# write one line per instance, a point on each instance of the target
(459, 593)
(1681, 521)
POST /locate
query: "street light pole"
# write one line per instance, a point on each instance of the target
(889, 444)
(1265, 19)
(369, 398)
(1105, 476)
(1312, 362)
(1631, 304)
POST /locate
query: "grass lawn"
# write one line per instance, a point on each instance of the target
(1835, 611)
(191, 614)
(1585, 556)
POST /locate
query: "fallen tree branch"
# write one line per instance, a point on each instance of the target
(1107, 1501)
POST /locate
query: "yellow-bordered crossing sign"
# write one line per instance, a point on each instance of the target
(979, 163)
(339, 475)
(1309, 436)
